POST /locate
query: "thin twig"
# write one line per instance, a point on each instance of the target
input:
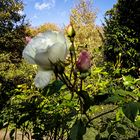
(104, 113)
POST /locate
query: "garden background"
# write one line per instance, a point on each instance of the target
(101, 103)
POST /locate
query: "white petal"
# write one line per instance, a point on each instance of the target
(41, 59)
(28, 57)
(57, 52)
(51, 35)
(68, 43)
(43, 78)
(38, 44)
(61, 38)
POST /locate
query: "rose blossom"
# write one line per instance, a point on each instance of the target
(44, 50)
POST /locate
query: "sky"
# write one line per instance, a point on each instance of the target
(39, 12)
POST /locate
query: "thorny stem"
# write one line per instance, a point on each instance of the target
(72, 53)
(72, 64)
(65, 76)
(63, 79)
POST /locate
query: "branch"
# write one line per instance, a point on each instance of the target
(104, 113)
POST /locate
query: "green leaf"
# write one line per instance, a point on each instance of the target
(128, 80)
(23, 120)
(110, 129)
(131, 110)
(77, 130)
(103, 128)
(122, 92)
(119, 114)
(87, 100)
(114, 99)
(53, 88)
(120, 130)
(113, 137)
(5, 125)
(137, 123)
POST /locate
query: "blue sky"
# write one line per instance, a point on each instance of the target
(39, 12)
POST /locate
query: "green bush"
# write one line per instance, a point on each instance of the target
(122, 35)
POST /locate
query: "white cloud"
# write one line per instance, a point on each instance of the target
(45, 5)
(41, 6)
(35, 16)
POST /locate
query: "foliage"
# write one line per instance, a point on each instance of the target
(12, 75)
(12, 28)
(122, 35)
(47, 26)
(92, 104)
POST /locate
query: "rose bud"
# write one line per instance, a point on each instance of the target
(70, 31)
(84, 62)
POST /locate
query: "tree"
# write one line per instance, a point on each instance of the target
(48, 26)
(122, 33)
(12, 27)
(33, 31)
(83, 17)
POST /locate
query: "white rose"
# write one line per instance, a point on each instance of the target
(44, 49)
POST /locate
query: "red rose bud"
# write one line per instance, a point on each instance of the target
(83, 64)
(70, 31)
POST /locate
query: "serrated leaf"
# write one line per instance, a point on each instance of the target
(130, 110)
(77, 130)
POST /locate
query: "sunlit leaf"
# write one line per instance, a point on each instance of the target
(137, 123)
